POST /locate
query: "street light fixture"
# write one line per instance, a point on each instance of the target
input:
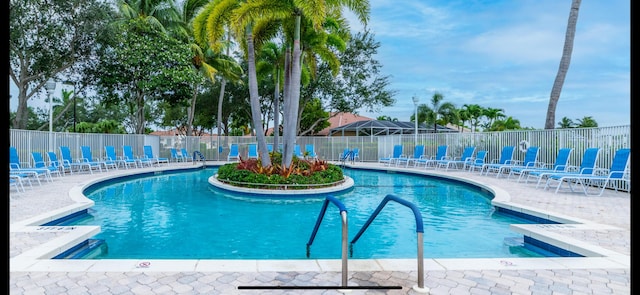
(50, 86)
(415, 104)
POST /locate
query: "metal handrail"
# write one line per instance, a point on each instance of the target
(345, 235)
(419, 231)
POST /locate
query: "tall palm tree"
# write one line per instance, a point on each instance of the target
(185, 32)
(564, 64)
(272, 63)
(292, 12)
(212, 30)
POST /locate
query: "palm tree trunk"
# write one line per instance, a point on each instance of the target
(287, 149)
(223, 84)
(289, 135)
(255, 102)
(564, 65)
(192, 110)
(140, 112)
(276, 112)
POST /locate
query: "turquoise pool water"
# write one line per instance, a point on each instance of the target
(181, 216)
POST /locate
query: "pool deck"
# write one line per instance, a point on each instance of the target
(600, 226)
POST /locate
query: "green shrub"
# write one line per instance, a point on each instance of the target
(248, 173)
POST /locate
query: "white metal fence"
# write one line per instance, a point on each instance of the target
(371, 148)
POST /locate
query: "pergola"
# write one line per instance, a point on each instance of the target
(380, 127)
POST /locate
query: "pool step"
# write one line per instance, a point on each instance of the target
(86, 250)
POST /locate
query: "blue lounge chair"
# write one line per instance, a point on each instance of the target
(16, 168)
(310, 151)
(562, 160)
(253, 151)
(185, 155)
(297, 152)
(130, 157)
(588, 164)
(476, 162)
(458, 162)
(87, 157)
(17, 182)
(78, 166)
(112, 157)
(148, 154)
(418, 153)
(530, 161)
(175, 156)
(599, 179)
(506, 158)
(234, 153)
(269, 147)
(63, 166)
(391, 159)
(441, 155)
(39, 163)
(355, 154)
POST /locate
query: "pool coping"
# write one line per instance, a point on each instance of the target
(37, 259)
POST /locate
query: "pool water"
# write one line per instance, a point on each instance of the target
(181, 216)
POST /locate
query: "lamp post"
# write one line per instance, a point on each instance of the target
(415, 104)
(50, 86)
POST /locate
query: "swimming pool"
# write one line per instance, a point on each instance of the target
(181, 216)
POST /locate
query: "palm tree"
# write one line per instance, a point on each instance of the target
(507, 124)
(464, 116)
(493, 114)
(291, 12)
(436, 111)
(320, 45)
(587, 122)
(185, 32)
(564, 64)
(160, 14)
(475, 112)
(272, 62)
(565, 123)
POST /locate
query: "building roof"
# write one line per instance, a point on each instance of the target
(382, 127)
(341, 119)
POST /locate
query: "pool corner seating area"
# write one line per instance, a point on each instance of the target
(601, 224)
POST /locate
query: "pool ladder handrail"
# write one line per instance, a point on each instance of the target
(347, 156)
(345, 234)
(200, 157)
(419, 231)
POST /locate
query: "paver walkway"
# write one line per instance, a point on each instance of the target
(612, 210)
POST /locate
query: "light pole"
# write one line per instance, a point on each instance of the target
(415, 104)
(50, 86)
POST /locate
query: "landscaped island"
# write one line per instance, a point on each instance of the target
(302, 174)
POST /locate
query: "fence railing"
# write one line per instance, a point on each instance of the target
(371, 148)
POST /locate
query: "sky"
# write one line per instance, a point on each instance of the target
(500, 54)
(505, 55)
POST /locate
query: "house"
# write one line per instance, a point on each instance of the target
(341, 119)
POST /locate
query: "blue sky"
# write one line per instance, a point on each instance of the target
(505, 54)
